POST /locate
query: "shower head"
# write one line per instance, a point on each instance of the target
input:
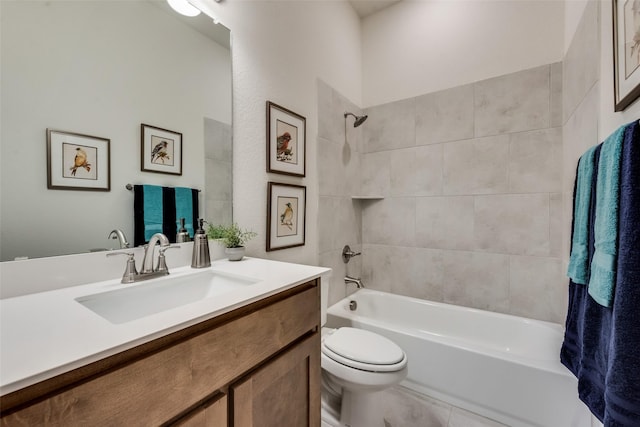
(359, 119)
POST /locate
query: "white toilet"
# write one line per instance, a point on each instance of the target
(356, 366)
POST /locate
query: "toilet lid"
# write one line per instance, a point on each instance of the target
(363, 346)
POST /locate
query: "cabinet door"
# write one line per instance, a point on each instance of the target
(211, 414)
(283, 392)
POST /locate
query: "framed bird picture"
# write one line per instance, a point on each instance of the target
(77, 162)
(286, 215)
(286, 141)
(161, 150)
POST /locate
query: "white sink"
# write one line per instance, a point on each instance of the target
(157, 295)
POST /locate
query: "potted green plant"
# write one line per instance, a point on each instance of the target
(233, 237)
(215, 231)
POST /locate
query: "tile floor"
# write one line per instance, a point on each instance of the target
(405, 408)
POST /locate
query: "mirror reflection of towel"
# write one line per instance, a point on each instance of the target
(159, 209)
(185, 199)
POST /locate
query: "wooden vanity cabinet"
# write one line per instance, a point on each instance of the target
(282, 392)
(258, 365)
(212, 413)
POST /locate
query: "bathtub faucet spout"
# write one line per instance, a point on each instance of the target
(355, 281)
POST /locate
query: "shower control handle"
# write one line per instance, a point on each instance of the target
(347, 254)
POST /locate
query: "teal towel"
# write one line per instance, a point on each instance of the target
(578, 269)
(153, 216)
(184, 208)
(604, 262)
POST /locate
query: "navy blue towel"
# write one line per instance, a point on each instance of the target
(622, 394)
(602, 345)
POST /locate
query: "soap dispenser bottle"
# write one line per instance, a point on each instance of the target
(183, 235)
(200, 257)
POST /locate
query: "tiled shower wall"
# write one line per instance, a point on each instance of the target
(218, 171)
(581, 102)
(472, 180)
(339, 217)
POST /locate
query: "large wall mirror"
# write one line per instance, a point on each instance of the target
(103, 68)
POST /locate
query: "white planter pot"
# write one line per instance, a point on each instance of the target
(235, 254)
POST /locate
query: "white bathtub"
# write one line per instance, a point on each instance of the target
(503, 367)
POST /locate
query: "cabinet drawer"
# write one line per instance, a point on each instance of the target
(159, 385)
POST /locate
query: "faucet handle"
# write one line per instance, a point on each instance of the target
(162, 262)
(130, 271)
(347, 254)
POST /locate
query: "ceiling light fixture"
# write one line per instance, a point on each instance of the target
(183, 7)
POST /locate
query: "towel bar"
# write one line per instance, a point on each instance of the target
(130, 187)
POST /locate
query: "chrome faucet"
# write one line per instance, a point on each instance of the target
(118, 234)
(149, 249)
(131, 274)
(355, 281)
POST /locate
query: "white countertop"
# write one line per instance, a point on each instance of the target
(48, 333)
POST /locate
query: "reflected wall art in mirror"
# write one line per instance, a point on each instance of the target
(104, 68)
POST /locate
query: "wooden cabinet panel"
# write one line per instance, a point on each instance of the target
(283, 392)
(159, 385)
(211, 414)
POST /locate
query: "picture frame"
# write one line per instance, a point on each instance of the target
(161, 150)
(286, 215)
(286, 141)
(626, 53)
(78, 162)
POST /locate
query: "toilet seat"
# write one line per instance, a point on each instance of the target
(363, 350)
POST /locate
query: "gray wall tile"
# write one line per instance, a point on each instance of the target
(513, 224)
(338, 169)
(218, 140)
(333, 260)
(429, 174)
(535, 161)
(445, 116)
(402, 270)
(555, 224)
(513, 103)
(376, 173)
(476, 279)
(218, 179)
(445, 222)
(581, 64)
(390, 221)
(221, 210)
(538, 288)
(332, 125)
(557, 118)
(339, 222)
(328, 123)
(477, 166)
(390, 126)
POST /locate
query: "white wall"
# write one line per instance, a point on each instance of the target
(279, 50)
(102, 69)
(610, 120)
(422, 46)
(573, 10)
